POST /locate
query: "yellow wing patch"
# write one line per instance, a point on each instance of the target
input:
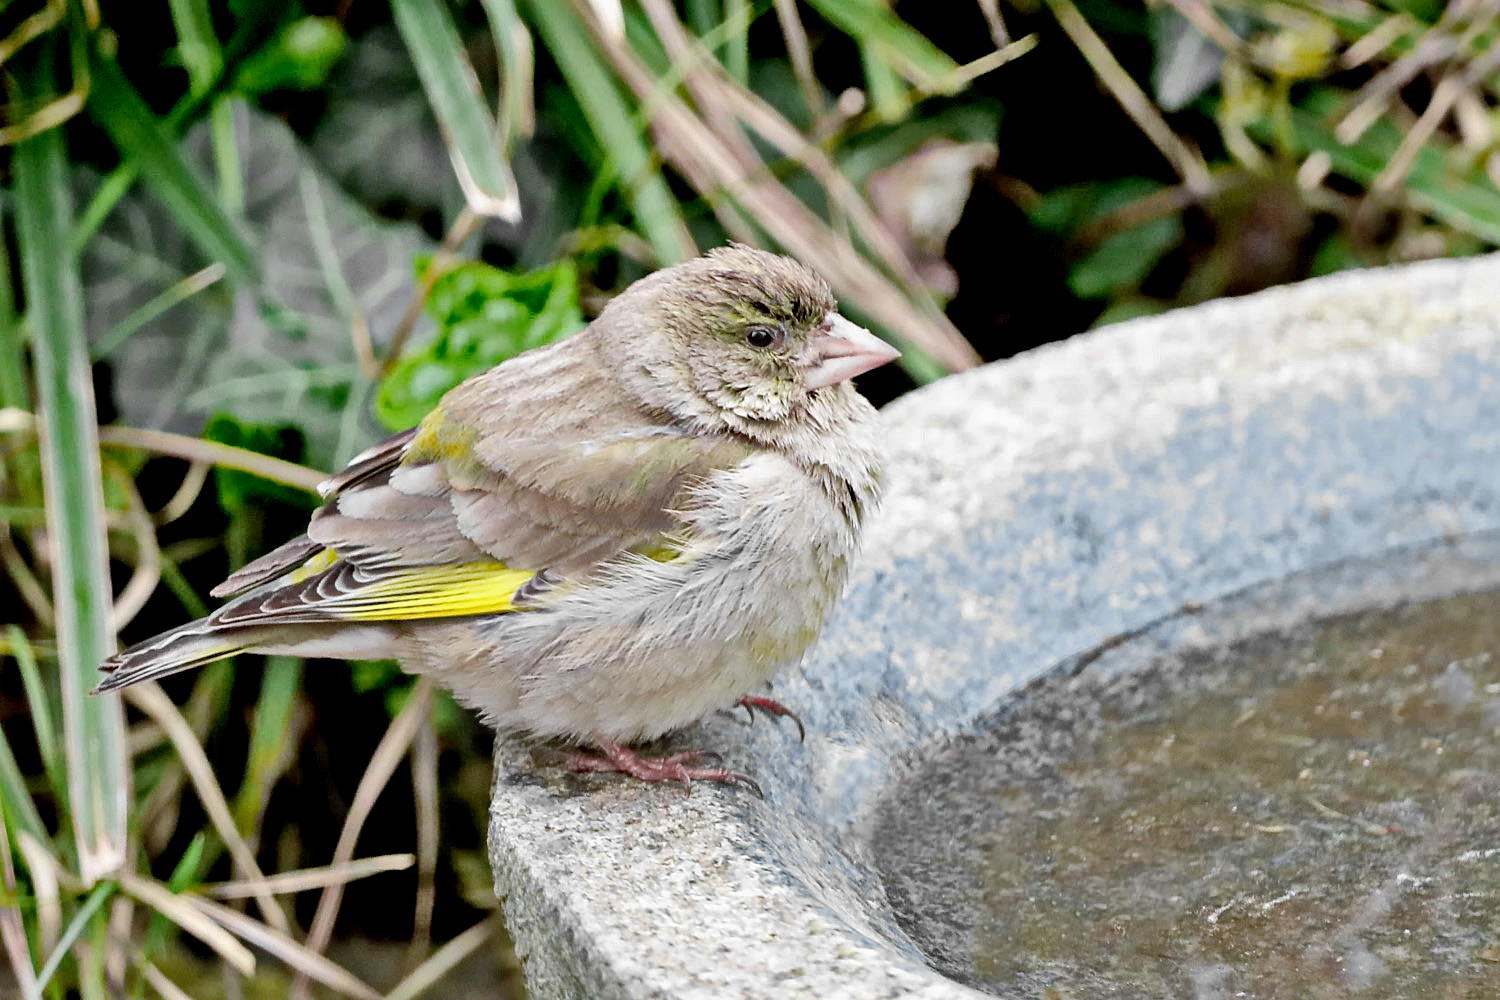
(483, 588)
(476, 588)
(316, 564)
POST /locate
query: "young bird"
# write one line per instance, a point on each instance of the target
(600, 540)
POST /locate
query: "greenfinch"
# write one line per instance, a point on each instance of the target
(598, 541)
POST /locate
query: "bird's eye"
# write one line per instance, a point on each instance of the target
(763, 336)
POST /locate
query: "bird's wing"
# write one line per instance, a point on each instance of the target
(378, 459)
(456, 517)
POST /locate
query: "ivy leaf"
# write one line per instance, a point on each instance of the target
(484, 316)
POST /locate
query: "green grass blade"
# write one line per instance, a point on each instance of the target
(887, 94)
(22, 467)
(872, 24)
(16, 806)
(614, 123)
(270, 731)
(737, 41)
(147, 143)
(13, 391)
(76, 926)
(517, 70)
(39, 706)
(443, 67)
(93, 728)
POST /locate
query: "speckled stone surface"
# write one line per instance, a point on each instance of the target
(1038, 507)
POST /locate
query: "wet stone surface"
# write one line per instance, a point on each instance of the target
(1313, 812)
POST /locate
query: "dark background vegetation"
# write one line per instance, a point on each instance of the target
(240, 221)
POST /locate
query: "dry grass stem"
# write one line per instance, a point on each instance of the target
(1374, 97)
(199, 450)
(999, 33)
(799, 53)
(388, 753)
(22, 578)
(13, 930)
(308, 964)
(1450, 89)
(1188, 162)
(1202, 16)
(159, 982)
(974, 69)
(181, 911)
(43, 867)
(424, 781)
(1372, 44)
(364, 347)
(187, 493)
(147, 555)
(693, 63)
(159, 708)
(465, 225)
(445, 959)
(312, 878)
(792, 223)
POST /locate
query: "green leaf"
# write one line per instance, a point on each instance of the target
(1128, 309)
(484, 316)
(241, 491)
(453, 90)
(98, 772)
(1122, 260)
(374, 675)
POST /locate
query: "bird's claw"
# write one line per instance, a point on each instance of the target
(774, 709)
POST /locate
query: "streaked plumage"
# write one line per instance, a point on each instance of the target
(600, 540)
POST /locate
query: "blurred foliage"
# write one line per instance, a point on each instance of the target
(290, 226)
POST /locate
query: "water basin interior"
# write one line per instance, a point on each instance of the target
(1309, 812)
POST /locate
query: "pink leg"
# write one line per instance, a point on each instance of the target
(616, 756)
(773, 708)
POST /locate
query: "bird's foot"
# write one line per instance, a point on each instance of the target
(614, 756)
(774, 709)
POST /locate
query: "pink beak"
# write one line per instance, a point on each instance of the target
(841, 350)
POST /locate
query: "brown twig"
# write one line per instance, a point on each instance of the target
(424, 787)
(1187, 161)
(464, 226)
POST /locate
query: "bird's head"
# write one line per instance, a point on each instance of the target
(738, 337)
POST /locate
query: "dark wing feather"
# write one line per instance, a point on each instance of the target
(377, 458)
(268, 567)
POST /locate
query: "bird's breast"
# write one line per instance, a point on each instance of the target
(651, 646)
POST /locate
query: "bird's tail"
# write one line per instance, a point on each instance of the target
(195, 644)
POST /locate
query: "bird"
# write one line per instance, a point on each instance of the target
(598, 541)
